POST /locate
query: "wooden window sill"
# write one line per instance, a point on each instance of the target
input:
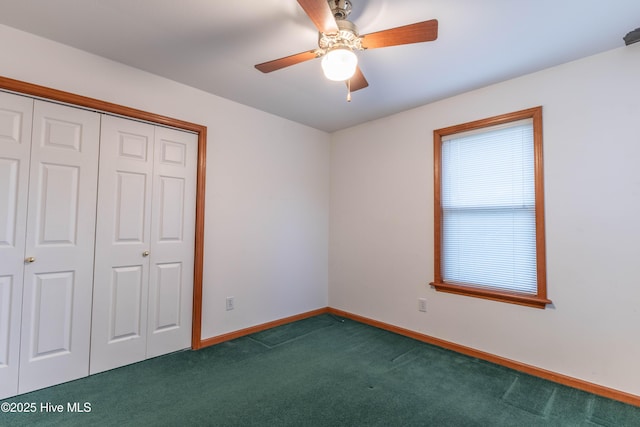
(492, 294)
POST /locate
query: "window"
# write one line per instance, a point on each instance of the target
(489, 209)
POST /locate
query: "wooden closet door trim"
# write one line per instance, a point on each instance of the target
(108, 107)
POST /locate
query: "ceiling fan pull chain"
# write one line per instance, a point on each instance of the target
(349, 90)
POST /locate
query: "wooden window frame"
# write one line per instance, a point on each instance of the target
(538, 300)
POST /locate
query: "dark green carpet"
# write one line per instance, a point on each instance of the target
(321, 371)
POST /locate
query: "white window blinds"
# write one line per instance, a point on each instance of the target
(488, 208)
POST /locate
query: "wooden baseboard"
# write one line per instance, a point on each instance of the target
(518, 366)
(258, 328)
(596, 389)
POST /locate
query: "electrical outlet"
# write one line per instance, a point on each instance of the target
(422, 304)
(230, 303)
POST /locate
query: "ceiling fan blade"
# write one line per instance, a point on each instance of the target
(276, 64)
(413, 33)
(358, 81)
(321, 15)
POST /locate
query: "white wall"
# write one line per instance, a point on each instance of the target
(381, 228)
(267, 202)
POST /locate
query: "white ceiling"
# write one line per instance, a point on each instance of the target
(214, 44)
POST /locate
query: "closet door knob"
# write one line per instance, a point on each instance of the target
(145, 253)
(29, 259)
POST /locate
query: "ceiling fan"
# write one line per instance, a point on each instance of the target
(339, 39)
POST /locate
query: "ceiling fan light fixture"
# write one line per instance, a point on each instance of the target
(339, 64)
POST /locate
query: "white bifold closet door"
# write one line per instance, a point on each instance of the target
(173, 230)
(143, 280)
(15, 151)
(61, 215)
(48, 163)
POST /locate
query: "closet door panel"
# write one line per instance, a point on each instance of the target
(56, 310)
(15, 146)
(57, 206)
(52, 313)
(10, 179)
(122, 244)
(172, 242)
(126, 302)
(165, 315)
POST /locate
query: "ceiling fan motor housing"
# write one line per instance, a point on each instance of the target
(347, 37)
(340, 8)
